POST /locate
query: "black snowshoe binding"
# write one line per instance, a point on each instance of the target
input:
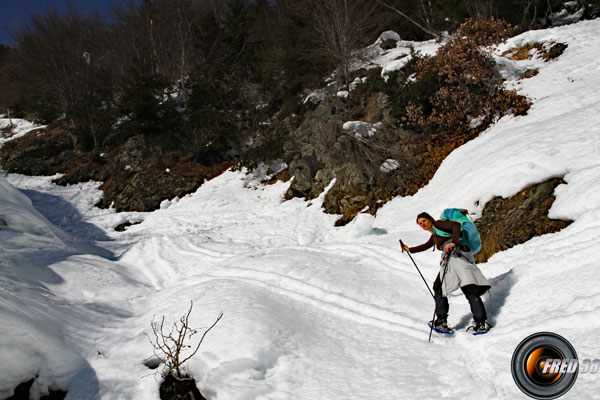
(479, 328)
(441, 326)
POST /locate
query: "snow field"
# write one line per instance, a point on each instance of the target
(312, 311)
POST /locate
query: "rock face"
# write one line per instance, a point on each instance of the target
(42, 152)
(139, 175)
(508, 222)
(368, 170)
(136, 176)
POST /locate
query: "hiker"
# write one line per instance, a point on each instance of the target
(461, 272)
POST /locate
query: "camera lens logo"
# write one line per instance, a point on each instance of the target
(545, 366)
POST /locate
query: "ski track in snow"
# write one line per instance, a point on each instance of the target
(323, 299)
(312, 311)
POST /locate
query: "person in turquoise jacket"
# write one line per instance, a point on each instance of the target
(461, 272)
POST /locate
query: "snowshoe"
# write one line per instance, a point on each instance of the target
(479, 328)
(441, 326)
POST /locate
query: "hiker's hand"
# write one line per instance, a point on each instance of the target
(448, 248)
(406, 248)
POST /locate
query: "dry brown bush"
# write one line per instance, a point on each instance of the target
(486, 31)
(469, 86)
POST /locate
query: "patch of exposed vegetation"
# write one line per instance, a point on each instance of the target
(546, 51)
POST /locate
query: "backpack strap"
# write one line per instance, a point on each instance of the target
(441, 232)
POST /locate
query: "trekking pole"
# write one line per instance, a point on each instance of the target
(415, 264)
(441, 288)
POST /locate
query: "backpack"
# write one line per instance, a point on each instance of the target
(469, 236)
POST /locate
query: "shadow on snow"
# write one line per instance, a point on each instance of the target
(494, 300)
(65, 217)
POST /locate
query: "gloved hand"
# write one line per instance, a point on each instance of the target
(448, 248)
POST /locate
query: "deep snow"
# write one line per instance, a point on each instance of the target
(312, 311)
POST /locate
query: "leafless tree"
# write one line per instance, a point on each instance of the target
(427, 14)
(340, 26)
(481, 8)
(64, 60)
(184, 38)
(534, 9)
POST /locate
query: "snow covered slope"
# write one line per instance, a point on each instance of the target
(312, 311)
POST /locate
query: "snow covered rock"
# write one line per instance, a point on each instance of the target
(361, 129)
(388, 40)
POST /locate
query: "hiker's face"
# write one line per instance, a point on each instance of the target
(424, 223)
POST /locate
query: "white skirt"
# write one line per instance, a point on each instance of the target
(461, 273)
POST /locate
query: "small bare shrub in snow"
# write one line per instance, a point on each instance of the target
(171, 346)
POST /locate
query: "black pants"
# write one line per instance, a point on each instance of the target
(471, 292)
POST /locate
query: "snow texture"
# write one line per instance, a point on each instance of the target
(389, 165)
(11, 128)
(391, 59)
(311, 311)
(361, 129)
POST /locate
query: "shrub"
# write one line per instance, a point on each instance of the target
(459, 84)
(172, 349)
(373, 83)
(486, 32)
(405, 90)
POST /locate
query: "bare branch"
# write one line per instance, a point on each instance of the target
(202, 338)
(429, 31)
(172, 345)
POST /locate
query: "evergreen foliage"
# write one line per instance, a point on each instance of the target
(209, 73)
(4, 53)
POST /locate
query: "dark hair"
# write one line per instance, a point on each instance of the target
(425, 215)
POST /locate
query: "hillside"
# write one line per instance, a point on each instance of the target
(311, 310)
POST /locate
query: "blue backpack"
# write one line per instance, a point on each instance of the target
(469, 236)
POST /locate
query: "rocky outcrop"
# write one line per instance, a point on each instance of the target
(508, 222)
(137, 175)
(42, 152)
(140, 175)
(369, 169)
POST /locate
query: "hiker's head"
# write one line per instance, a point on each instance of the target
(425, 221)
